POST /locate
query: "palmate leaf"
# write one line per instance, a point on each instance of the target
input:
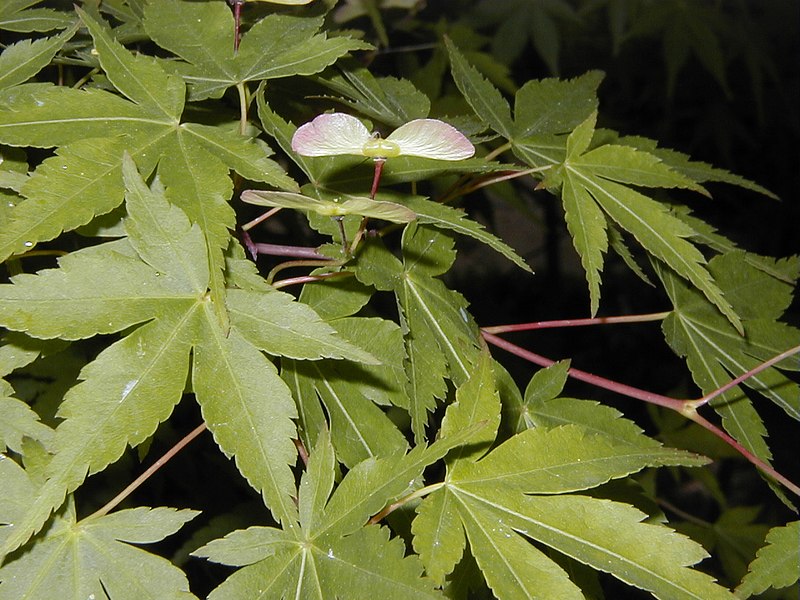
(159, 274)
(146, 124)
(94, 558)
(389, 100)
(522, 489)
(276, 46)
(482, 96)
(334, 555)
(17, 420)
(602, 176)
(714, 350)
(441, 338)
(447, 217)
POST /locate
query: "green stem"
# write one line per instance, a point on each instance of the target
(497, 151)
(420, 493)
(244, 104)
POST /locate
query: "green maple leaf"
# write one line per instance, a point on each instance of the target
(525, 488)
(16, 15)
(93, 128)
(22, 60)
(17, 420)
(687, 29)
(276, 46)
(441, 338)
(519, 22)
(775, 565)
(158, 278)
(388, 99)
(333, 554)
(94, 558)
(353, 394)
(714, 350)
(596, 186)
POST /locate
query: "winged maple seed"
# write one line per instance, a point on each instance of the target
(332, 134)
(338, 133)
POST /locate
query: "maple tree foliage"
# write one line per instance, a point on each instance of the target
(368, 428)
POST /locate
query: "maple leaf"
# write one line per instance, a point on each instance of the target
(525, 488)
(332, 554)
(94, 127)
(94, 557)
(158, 278)
(775, 564)
(279, 45)
(760, 291)
(17, 15)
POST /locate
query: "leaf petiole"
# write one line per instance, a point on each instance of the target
(420, 493)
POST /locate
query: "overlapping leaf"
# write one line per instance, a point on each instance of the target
(522, 489)
(333, 554)
(17, 15)
(276, 46)
(94, 127)
(352, 394)
(95, 558)
(714, 350)
(159, 275)
(775, 564)
(440, 336)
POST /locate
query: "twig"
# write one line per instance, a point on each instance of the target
(149, 472)
(660, 316)
(687, 408)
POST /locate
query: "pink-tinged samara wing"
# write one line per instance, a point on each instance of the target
(431, 138)
(331, 134)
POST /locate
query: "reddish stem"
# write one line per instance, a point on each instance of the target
(237, 13)
(293, 251)
(376, 178)
(150, 471)
(687, 408)
(734, 382)
(596, 380)
(575, 323)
